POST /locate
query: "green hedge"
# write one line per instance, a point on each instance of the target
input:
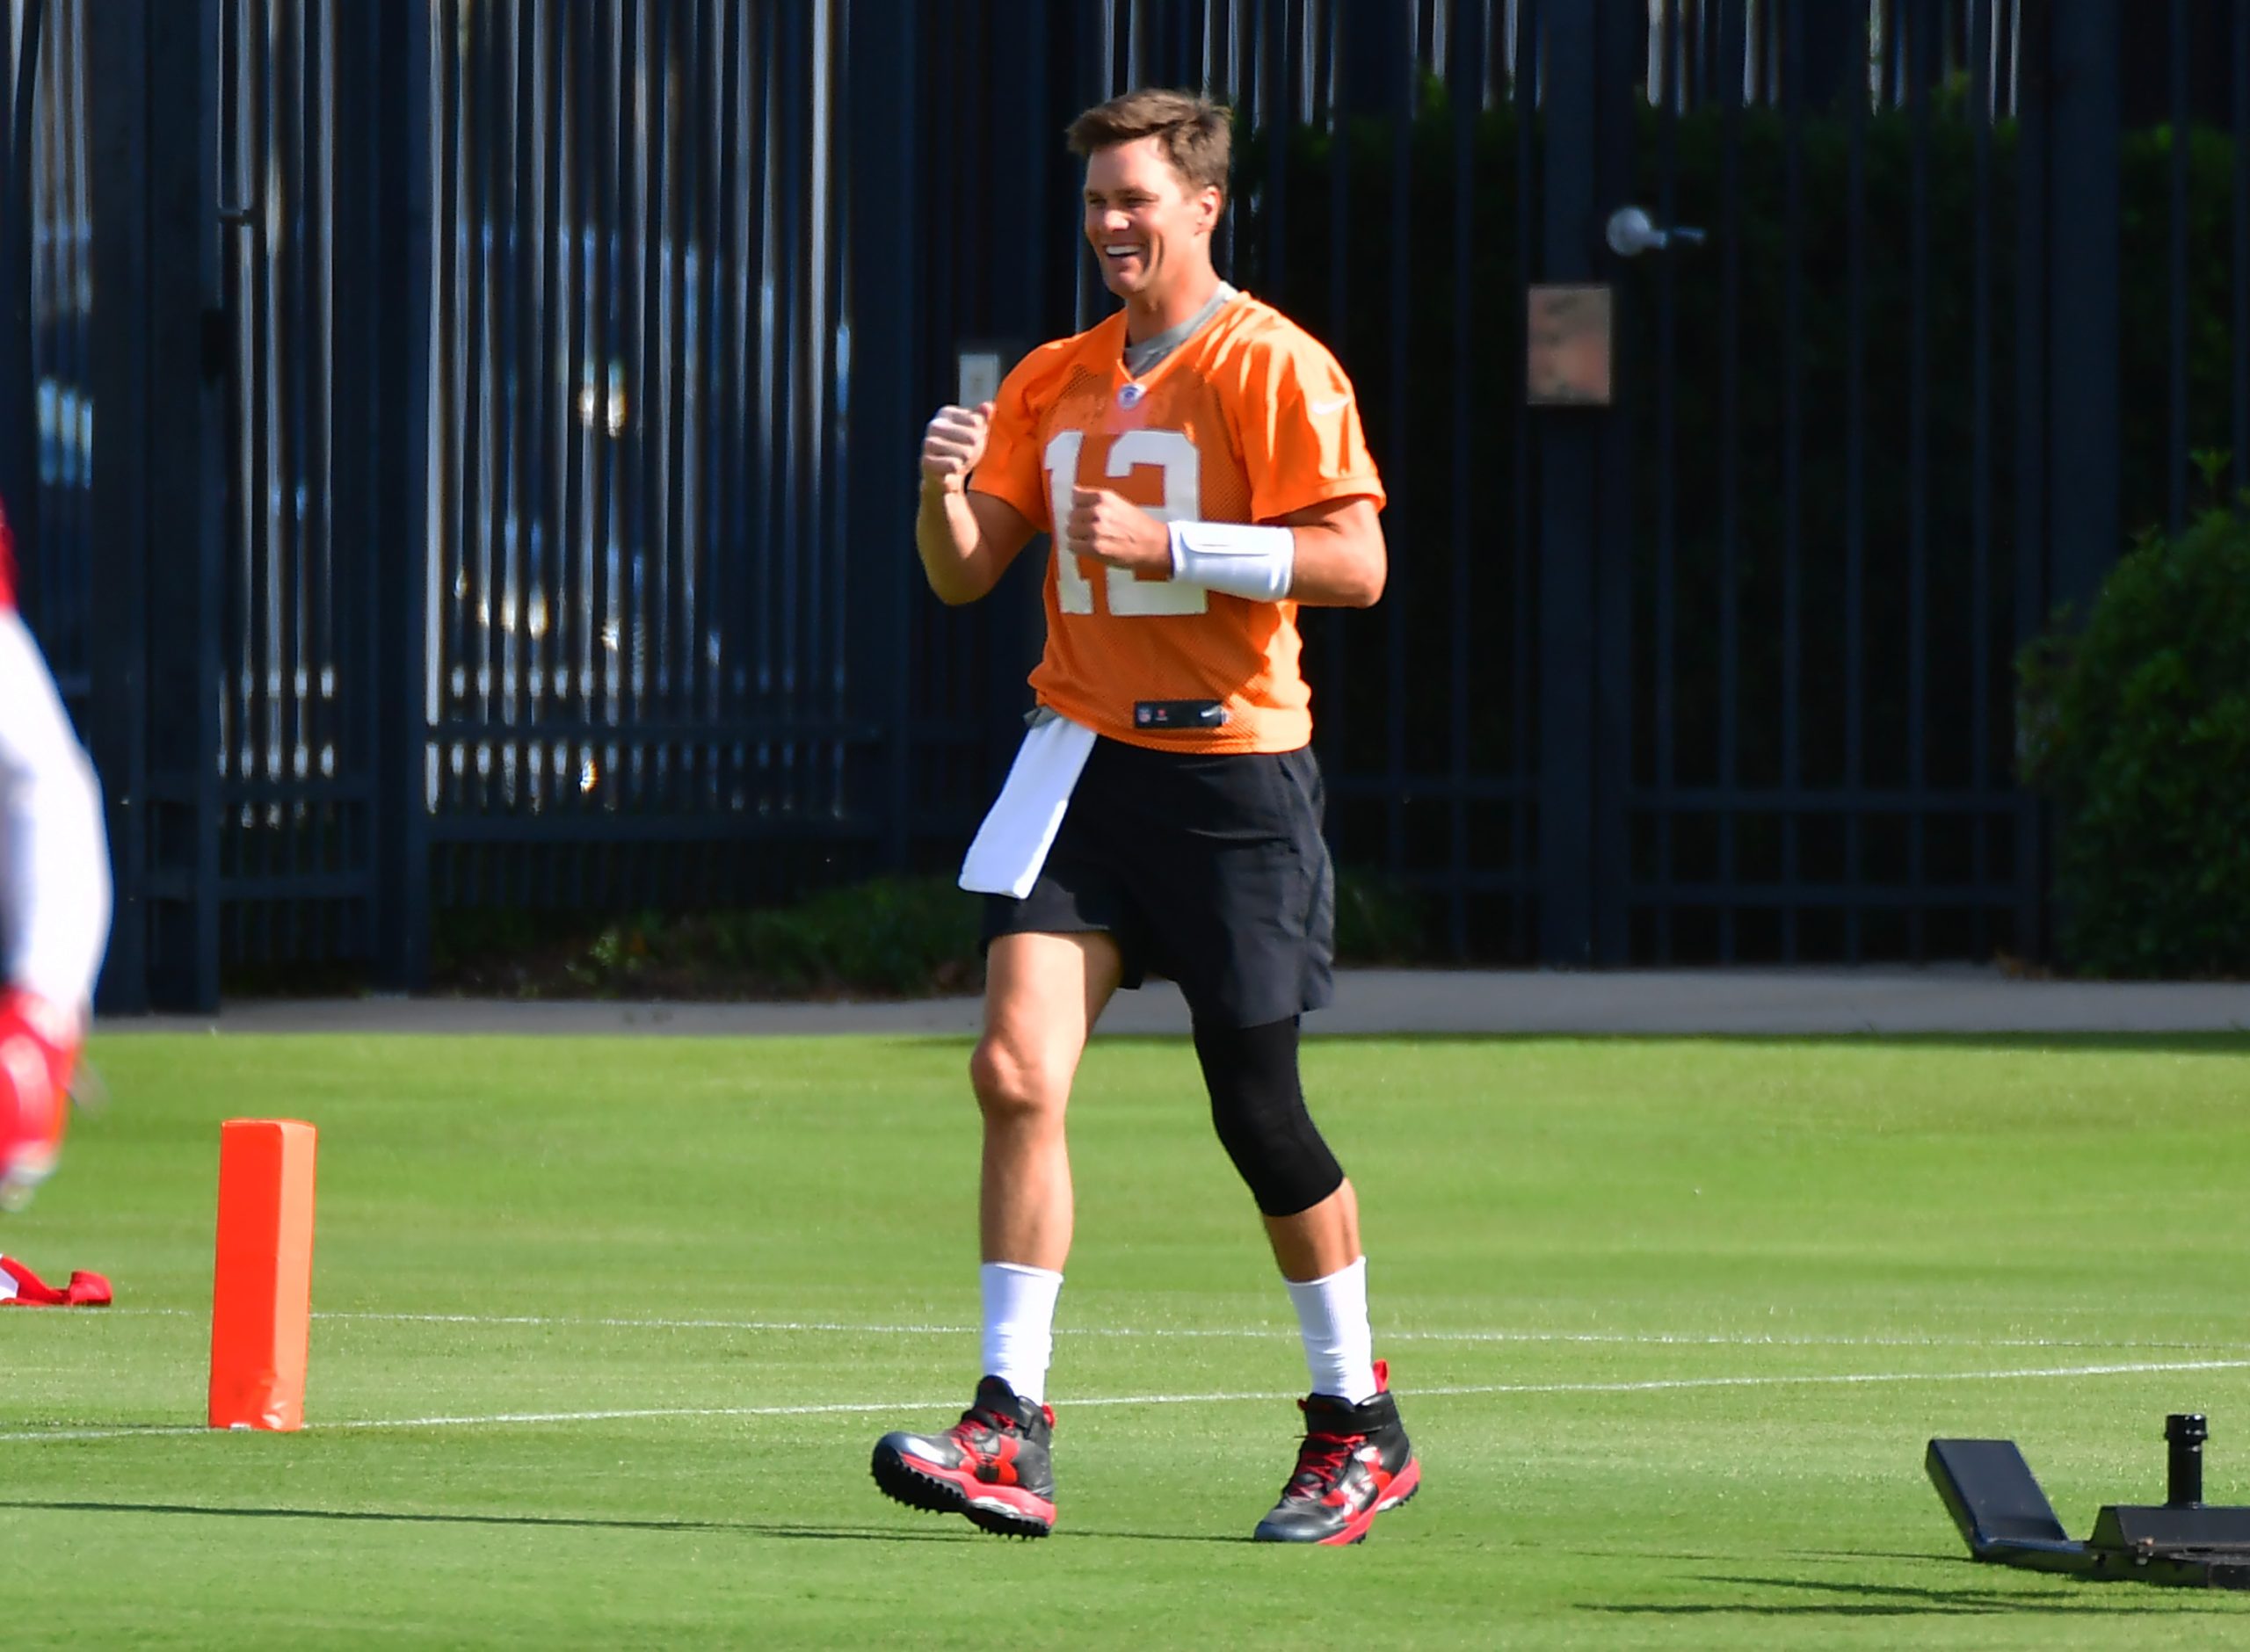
(889, 937)
(2138, 727)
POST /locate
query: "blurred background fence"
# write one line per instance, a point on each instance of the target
(503, 478)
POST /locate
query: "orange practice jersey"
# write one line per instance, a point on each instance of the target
(1248, 420)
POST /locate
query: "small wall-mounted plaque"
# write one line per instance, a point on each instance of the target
(980, 375)
(1567, 346)
(980, 364)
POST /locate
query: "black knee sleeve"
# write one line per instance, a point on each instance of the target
(1257, 1108)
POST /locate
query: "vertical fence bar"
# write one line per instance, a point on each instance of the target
(1278, 110)
(445, 409)
(2238, 58)
(1335, 630)
(671, 555)
(1793, 101)
(1856, 253)
(763, 256)
(2084, 274)
(837, 471)
(1920, 68)
(751, 66)
(2181, 121)
(1396, 55)
(1732, 46)
(615, 390)
(2034, 138)
(116, 60)
(1664, 700)
(2180, 115)
(884, 125)
(466, 582)
(45, 414)
(1620, 45)
(720, 460)
(19, 435)
(646, 543)
(1980, 461)
(1569, 477)
(561, 362)
(252, 357)
(307, 919)
(682, 226)
(407, 478)
(791, 370)
(1465, 73)
(527, 379)
(35, 250)
(355, 448)
(1523, 849)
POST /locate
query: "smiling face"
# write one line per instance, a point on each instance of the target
(1150, 231)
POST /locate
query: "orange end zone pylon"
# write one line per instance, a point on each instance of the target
(261, 1302)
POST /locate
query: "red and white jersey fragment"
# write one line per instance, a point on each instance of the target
(55, 882)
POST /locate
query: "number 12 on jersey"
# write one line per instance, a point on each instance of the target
(1130, 595)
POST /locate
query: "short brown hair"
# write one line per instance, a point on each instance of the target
(1195, 134)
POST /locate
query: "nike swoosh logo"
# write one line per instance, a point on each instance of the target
(1324, 408)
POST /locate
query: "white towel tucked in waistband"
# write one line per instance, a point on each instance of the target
(1013, 842)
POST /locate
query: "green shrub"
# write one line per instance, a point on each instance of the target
(889, 937)
(2138, 727)
(1377, 921)
(886, 938)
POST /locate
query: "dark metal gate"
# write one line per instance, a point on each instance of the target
(506, 413)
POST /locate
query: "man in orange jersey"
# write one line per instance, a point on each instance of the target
(1200, 465)
(54, 903)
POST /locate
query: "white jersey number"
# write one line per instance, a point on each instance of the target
(1130, 596)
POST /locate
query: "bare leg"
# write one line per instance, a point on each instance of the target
(1043, 995)
(1318, 1242)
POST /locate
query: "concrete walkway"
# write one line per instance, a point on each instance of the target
(1944, 999)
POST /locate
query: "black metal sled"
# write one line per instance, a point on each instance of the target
(1995, 1499)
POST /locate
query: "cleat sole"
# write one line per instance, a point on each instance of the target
(903, 1481)
(902, 1484)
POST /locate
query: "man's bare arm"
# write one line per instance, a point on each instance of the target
(1342, 561)
(966, 540)
(1333, 555)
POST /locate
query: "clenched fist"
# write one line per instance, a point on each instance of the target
(1112, 529)
(954, 444)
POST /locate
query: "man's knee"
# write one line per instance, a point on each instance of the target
(1013, 1083)
(1257, 1108)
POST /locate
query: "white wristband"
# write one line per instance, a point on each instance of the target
(1235, 558)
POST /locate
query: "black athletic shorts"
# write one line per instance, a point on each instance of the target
(1209, 869)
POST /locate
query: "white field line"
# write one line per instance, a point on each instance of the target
(1638, 1339)
(1656, 1386)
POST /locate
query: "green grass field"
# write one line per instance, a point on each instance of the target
(605, 1329)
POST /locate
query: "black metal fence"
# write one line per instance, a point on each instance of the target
(507, 411)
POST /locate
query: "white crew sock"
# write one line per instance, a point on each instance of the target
(1018, 1325)
(1338, 1346)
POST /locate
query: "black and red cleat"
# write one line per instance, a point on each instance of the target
(992, 1466)
(1356, 1463)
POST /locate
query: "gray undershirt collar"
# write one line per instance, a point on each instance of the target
(1140, 357)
